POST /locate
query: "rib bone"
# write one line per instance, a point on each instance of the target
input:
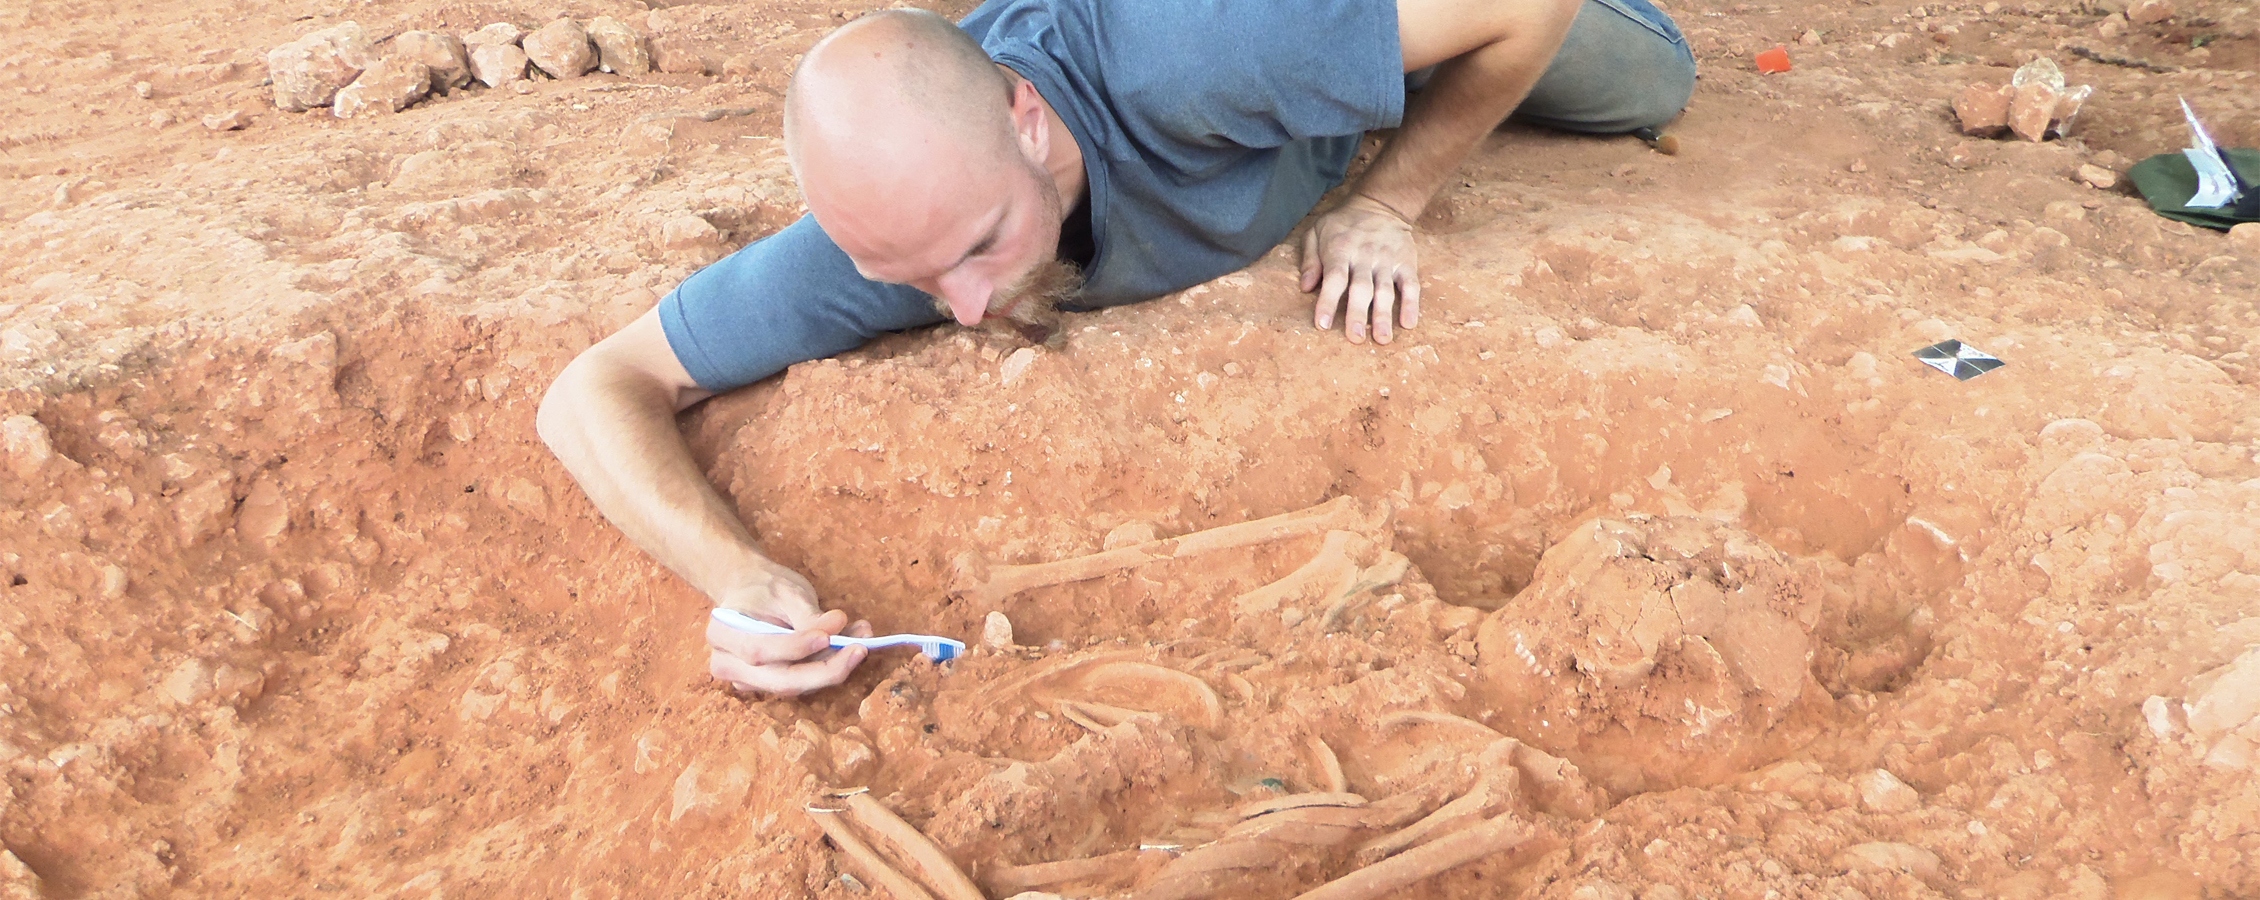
(875, 867)
(1492, 836)
(914, 847)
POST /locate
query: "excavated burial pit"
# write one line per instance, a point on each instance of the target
(351, 572)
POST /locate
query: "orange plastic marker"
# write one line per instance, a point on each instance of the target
(1774, 61)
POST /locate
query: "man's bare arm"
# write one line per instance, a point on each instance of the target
(1488, 54)
(610, 418)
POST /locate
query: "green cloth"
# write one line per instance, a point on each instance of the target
(2167, 181)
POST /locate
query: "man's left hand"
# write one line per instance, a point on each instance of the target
(1360, 255)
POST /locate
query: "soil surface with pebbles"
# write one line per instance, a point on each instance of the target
(294, 603)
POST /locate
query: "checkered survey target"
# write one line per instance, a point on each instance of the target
(1958, 359)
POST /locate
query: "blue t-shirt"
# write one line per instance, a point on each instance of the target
(1208, 129)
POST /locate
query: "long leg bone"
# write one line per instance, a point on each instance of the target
(914, 847)
(973, 578)
(1009, 880)
(875, 867)
(1492, 836)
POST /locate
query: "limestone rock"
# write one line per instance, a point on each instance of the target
(562, 49)
(232, 120)
(1885, 793)
(2097, 177)
(2150, 12)
(2032, 110)
(388, 86)
(1984, 109)
(442, 53)
(308, 72)
(2227, 699)
(497, 64)
(996, 631)
(495, 34)
(27, 446)
(619, 49)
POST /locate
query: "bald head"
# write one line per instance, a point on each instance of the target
(891, 105)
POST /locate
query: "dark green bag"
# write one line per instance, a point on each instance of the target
(2167, 181)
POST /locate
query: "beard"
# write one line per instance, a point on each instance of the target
(1029, 306)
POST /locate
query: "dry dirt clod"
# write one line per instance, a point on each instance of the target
(2244, 239)
(1882, 856)
(2097, 177)
(562, 49)
(308, 72)
(692, 236)
(619, 49)
(443, 54)
(388, 86)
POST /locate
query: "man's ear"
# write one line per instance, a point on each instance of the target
(1029, 125)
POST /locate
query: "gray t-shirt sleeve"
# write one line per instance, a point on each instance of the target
(790, 297)
(1255, 73)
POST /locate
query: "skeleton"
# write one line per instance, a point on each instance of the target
(1141, 704)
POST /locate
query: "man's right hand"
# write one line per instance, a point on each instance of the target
(784, 665)
(610, 418)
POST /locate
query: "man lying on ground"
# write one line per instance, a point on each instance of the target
(1083, 154)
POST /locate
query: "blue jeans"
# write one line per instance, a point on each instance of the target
(1623, 66)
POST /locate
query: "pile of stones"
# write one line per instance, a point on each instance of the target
(2035, 104)
(339, 67)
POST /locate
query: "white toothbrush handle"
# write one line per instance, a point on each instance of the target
(751, 625)
(947, 648)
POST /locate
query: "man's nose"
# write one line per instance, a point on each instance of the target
(967, 295)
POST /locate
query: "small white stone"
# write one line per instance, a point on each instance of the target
(996, 631)
(1016, 365)
(1884, 792)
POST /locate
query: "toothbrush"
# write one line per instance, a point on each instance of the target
(938, 649)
